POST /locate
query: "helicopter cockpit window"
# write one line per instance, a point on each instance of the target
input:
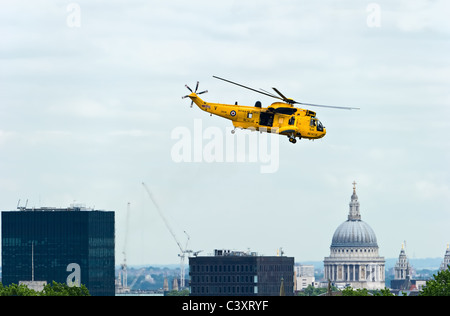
(319, 126)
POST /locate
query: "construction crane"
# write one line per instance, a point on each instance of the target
(124, 264)
(122, 282)
(183, 251)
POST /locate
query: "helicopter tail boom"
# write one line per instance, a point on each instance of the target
(196, 99)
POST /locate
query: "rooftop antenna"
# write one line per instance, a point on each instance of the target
(124, 264)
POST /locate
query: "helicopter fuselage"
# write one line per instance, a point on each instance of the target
(279, 117)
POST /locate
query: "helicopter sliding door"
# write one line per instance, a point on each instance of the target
(266, 119)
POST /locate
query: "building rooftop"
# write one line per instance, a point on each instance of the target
(233, 253)
(71, 207)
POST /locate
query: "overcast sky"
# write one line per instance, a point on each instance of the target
(90, 94)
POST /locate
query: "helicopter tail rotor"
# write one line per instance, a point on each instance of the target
(195, 91)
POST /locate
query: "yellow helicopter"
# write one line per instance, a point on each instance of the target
(280, 117)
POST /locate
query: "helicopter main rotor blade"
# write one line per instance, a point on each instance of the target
(328, 106)
(283, 98)
(310, 104)
(240, 85)
(268, 93)
(281, 95)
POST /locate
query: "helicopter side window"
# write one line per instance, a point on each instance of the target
(313, 122)
(291, 120)
(249, 115)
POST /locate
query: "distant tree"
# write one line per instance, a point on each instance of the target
(383, 292)
(314, 291)
(17, 290)
(62, 289)
(439, 286)
(349, 291)
(364, 292)
(54, 289)
(184, 292)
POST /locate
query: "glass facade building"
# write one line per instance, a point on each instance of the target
(72, 246)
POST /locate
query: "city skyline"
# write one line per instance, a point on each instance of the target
(92, 96)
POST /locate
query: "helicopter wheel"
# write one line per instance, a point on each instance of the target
(292, 140)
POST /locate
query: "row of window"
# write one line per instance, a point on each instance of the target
(273, 289)
(222, 268)
(224, 279)
(239, 268)
(353, 250)
(224, 290)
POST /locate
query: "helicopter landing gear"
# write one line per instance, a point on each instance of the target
(292, 140)
(233, 130)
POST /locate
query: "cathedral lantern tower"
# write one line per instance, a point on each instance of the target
(402, 268)
(402, 273)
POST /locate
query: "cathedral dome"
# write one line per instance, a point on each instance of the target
(354, 233)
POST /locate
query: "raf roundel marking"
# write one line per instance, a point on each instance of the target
(233, 113)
